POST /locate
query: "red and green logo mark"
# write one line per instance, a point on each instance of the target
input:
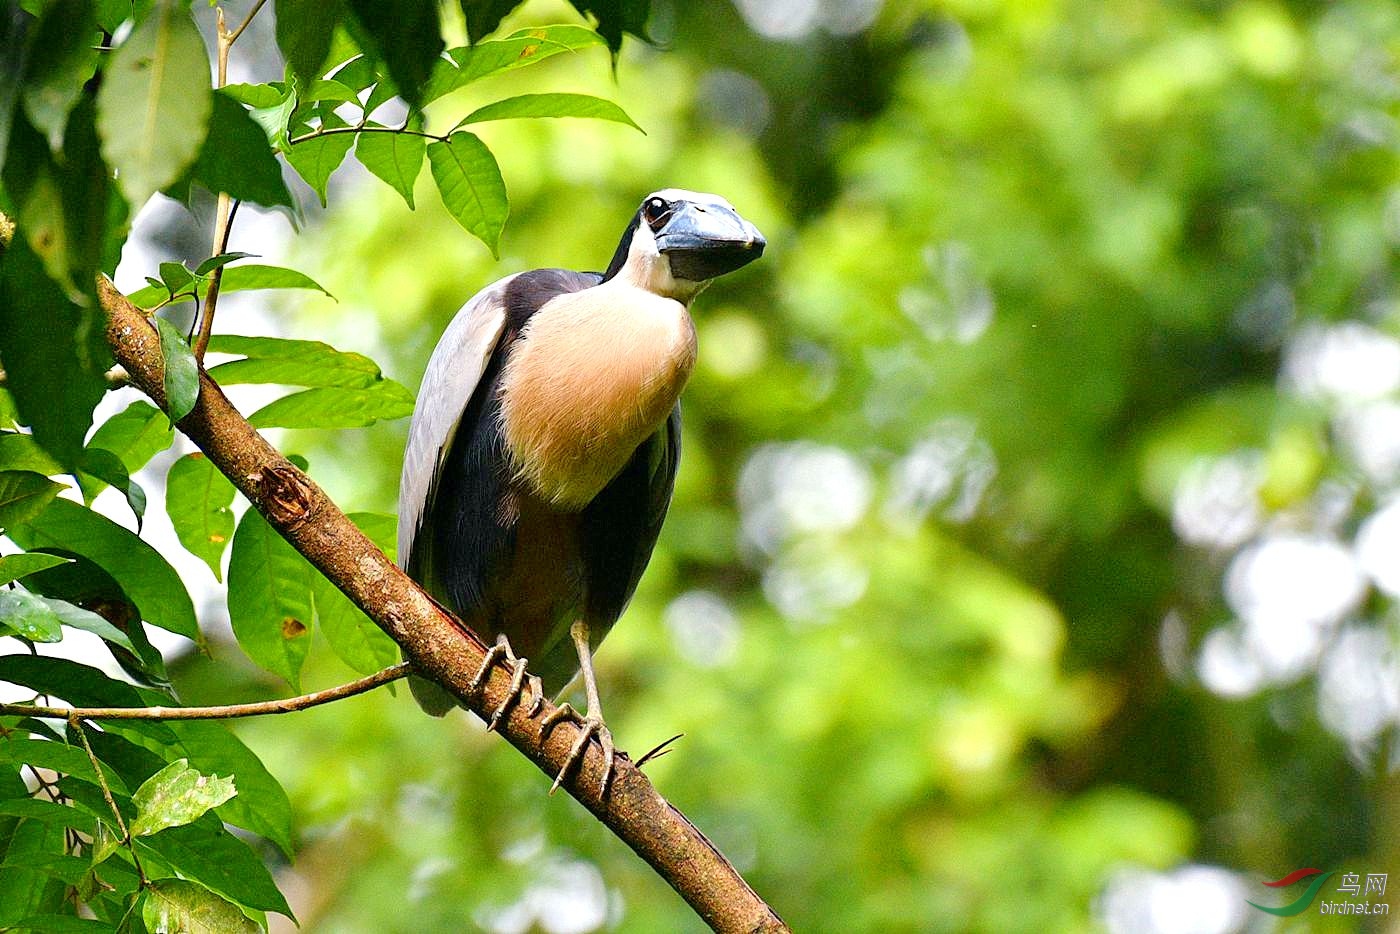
(1319, 878)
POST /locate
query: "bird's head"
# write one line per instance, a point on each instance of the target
(679, 240)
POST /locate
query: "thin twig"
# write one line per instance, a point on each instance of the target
(233, 36)
(223, 226)
(75, 721)
(226, 207)
(227, 712)
(333, 131)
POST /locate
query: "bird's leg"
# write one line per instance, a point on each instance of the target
(518, 677)
(590, 725)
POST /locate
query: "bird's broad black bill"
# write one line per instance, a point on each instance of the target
(705, 241)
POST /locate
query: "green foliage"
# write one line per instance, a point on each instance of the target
(153, 107)
(175, 796)
(470, 182)
(198, 499)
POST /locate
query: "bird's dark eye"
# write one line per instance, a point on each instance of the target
(655, 211)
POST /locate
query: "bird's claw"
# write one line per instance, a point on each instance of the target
(502, 651)
(588, 727)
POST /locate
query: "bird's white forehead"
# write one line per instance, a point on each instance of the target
(681, 194)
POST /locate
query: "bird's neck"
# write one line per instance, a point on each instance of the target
(593, 375)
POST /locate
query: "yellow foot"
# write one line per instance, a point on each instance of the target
(588, 727)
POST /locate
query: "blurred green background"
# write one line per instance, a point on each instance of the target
(1032, 565)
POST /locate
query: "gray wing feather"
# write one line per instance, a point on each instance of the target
(453, 372)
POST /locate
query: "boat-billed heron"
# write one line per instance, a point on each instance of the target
(544, 446)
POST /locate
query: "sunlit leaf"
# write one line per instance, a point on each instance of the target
(176, 795)
(471, 186)
(336, 407)
(550, 105)
(197, 498)
(136, 434)
(29, 616)
(291, 362)
(176, 906)
(14, 567)
(317, 156)
(396, 158)
(269, 598)
(153, 106)
(238, 279)
(23, 495)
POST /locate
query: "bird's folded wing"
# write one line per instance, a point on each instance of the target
(453, 372)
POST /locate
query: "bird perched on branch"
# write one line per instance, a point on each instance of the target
(544, 447)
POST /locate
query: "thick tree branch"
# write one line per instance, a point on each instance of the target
(437, 644)
(226, 712)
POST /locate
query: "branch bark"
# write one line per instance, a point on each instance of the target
(436, 643)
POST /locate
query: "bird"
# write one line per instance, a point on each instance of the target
(543, 450)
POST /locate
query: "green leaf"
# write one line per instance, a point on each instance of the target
(207, 853)
(304, 30)
(181, 371)
(23, 495)
(29, 616)
(87, 621)
(14, 567)
(236, 158)
(261, 806)
(28, 890)
(257, 96)
(175, 906)
(220, 261)
(317, 158)
(290, 362)
(407, 38)
(135, 434)
(141, 572)
(269, 598)
(153, 106)
(484, 16)
(60, 924)
(50, 812)
(22, 452)
(99, 468)
(175, 796)
(239, 279)
(395, 158)
(525, 47)
(471, 186)
(53, 351)
(175, 276)
(550, 105)
(616, 17)
(59, 757)
(352, 636)
(197, 498)
(273, 117)
(336, 407)
(62, 57)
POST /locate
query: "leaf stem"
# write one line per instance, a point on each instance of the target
(75, 721)
(228, 712)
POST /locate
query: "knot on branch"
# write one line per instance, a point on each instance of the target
(286, 492)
